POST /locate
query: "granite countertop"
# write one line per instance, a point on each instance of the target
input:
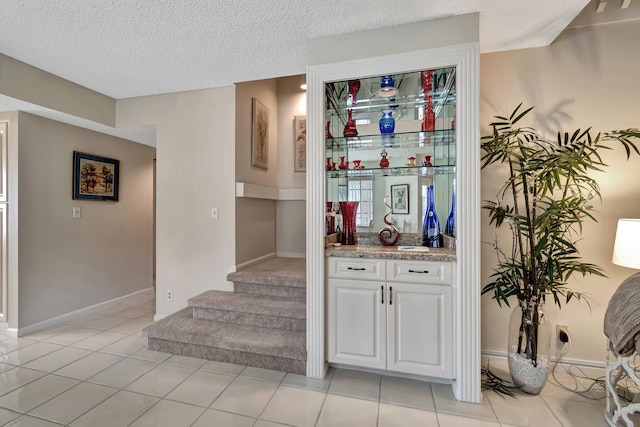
(390, 252)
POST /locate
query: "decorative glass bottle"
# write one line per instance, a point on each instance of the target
(429, 121)
(350, 130)
(343, 165)
(450, 224)
(431, 225)
(384, 162)
(387, 122)
(353, 87)
(349, 211)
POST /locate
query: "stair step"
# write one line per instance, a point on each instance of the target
(247, 309)
(293, 293)
(267, 348)
(280, 272)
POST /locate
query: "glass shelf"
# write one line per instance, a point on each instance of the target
(396, 140)
(392, 171)
(367, 100)
(397, 104)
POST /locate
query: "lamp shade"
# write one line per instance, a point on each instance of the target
(626, 250)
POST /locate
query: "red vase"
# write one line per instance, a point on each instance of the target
(429, 122)
(350, 130)
(343, 165)
(353, 87)
(349, 211)
(426, 81)
(327, 133)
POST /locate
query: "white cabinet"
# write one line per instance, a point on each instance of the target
(402, 322)
(357, 323)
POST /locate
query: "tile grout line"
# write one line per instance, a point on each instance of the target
(280, 384)
(46, 374)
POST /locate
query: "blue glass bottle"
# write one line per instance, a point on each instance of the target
(450, 224)
(431, 224)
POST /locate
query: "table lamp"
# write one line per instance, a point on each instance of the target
(626, 249)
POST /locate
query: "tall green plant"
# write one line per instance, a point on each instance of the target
(551, 192)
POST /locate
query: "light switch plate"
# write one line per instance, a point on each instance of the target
(76, 211)
(214, 213)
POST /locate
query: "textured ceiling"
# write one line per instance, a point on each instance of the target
(126, 48)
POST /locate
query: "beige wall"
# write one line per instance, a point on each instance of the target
(291, 102)
(255, 229)
(256, 218)
(105, 254)
(588, 77)
(27, 83)
(290, 214)
(291, 221)
(194, 172)
(440, 32)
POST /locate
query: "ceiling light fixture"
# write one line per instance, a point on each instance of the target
(387, 87)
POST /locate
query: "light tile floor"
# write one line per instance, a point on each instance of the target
(96, 371)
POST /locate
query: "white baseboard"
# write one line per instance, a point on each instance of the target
(77, 313)
(247, 264)
(502, 356)
(291, 254)
(157, 317)
(5, 329)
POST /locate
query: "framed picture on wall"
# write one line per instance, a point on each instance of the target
(259, 135)
(300, 144)
(94, 177)
(400, 199)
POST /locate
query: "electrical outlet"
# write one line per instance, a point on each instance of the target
(169, 295)
(562, 334)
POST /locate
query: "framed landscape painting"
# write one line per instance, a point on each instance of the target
(94, 177)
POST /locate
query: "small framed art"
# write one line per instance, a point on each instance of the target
(94, 177)
(400, 199)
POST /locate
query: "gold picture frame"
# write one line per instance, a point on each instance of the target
(259, 135)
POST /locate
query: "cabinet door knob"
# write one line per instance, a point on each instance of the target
(419, 271)
(356, 268)
(390, 295)
(382, 294)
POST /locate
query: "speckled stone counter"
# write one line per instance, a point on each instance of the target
(390, 252)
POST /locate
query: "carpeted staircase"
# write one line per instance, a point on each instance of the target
(261, 323)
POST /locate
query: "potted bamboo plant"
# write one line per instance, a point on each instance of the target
(543, 202)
